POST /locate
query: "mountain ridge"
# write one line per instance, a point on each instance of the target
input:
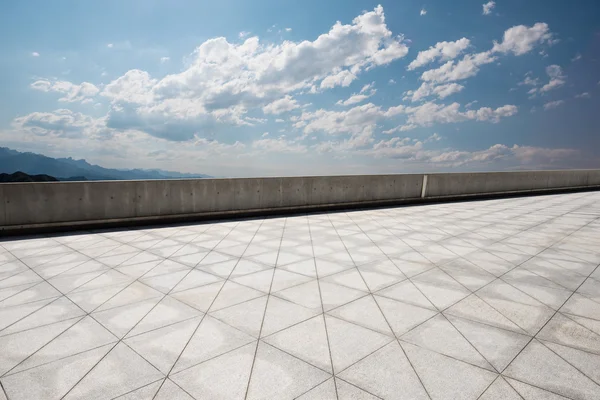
(63, 168)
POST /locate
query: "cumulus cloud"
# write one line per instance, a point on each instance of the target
(429, 114)
(363, 119)
(411, 150)
(557, 79)
(584, 95)
(553, 104)
(279, 145)
(72, 92)
(35, 54)
(522, 39)
(62, 123)
(224, 80)
(428, 89)
(455, 71)
(529, 81)
(488, 7)
(423, 12)
(442, 50)
(164, 59)
(280, 106)
(341, 78)
(243, 34)
(366, 92)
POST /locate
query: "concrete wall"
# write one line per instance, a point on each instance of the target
(55, 204)
(461, 184)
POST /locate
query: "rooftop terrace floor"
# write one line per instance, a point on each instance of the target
(495, 299)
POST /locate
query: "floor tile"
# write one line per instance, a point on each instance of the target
(406, 292)
(120, 371)
(247, 316)
(445, 377)
(278, 375)
(306, 340)
(325, 390)
(539, 366)
(346, 391)
(221, 378)
(281, 314)
(211, 339)
(398, 382)
(568, 331)
(402, 317)
(162, 347)
(55, 379)
(349, 342)
(500, 390)
(439, 335)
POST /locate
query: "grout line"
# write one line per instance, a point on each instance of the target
(264, 313)
(392, 330)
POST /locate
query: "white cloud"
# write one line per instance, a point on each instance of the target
(428, 89)
(342, 78)
(584, 95)
(471, 104)
(62, 123)
(529, 81)
(72, 92)
(487, 7)
(455, 71)
(557, 79)
(423, 12)
(110, 45)
(363, 119)
(280, 106)
(134, 87)
(433, 138)
(288, 29)
(366, 92)
(35, 54)
(392, 82)
(553, 104)
(577, 57)
(522, 39)
(164, 59)
(223, 80)
(279, 120)
(265, 134)
(243, 34)
(442, 50)
(429, 114)
(279, 145)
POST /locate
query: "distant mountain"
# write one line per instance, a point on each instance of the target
(23, 177)
(71, 169)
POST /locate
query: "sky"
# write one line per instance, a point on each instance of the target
(238, 88)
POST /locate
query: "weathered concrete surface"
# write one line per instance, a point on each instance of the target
(38, 205)
(459, 184)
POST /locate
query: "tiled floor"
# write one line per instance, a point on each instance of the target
(475, 300)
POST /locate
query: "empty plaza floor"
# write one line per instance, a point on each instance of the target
(494, 299)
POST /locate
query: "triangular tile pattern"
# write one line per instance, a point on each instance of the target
(399, 376)
(119, 372)
(278, 375)
(439, 335)
(445, 377)
(427, 301)
(539, 366)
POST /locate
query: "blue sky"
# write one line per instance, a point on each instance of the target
(240, 88)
